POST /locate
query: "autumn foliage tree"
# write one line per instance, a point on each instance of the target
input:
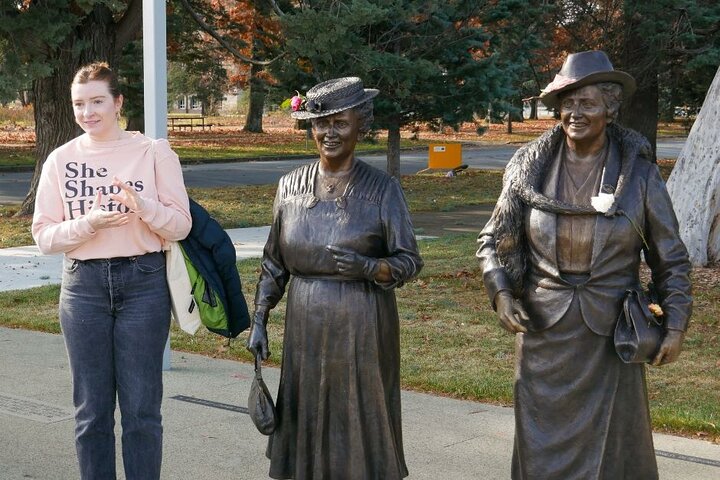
(262, 39)
(196, 63)
(246, 35)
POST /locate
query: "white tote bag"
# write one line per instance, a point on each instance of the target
(180, 289)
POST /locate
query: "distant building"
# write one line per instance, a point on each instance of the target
(191, 104)
(186, 104)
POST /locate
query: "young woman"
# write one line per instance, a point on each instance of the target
(107, 200)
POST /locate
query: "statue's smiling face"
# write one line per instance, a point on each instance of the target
(583, 114)
(336, 135)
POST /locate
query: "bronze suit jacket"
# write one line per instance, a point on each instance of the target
(643, 201)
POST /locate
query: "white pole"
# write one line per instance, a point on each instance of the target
(155, 68)
(155, 77)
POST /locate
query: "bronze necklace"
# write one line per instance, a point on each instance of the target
(332, 184)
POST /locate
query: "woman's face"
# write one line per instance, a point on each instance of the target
(96, 110)
(583, 114)
(336, 136)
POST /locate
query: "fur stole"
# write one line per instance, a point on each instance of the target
(522, 184)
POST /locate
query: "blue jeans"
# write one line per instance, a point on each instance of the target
(115, 316)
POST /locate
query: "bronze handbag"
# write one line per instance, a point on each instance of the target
(260, 403)
(638, 332)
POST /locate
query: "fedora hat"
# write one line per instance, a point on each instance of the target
(585, 68)
(333, 96)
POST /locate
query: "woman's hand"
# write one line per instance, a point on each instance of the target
(670, 348)
(257, 341)
(510, 312)
(127, 196)
(354, 265)
(100, 219)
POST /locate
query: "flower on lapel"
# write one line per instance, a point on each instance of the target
(602, 202)
(655, 309)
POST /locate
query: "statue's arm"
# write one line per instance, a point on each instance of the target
(273, 273)
(667, 256)
(495, 277)
(403, 260)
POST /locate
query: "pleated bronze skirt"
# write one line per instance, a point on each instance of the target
(580, 413)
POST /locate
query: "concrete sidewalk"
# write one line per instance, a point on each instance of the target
(26, 267)
(208, 434)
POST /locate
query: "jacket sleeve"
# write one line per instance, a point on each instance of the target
(51, 231)
(273, 273)
(495, 277)
(403, 256)
(169, 215)
(667, 256)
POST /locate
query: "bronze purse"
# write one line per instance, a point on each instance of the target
(638, 333)
(260, 403)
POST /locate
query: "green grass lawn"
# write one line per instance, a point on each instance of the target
(12, 156)
(251, 205)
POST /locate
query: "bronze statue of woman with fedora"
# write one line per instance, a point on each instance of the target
(341, 241)
(578, 207)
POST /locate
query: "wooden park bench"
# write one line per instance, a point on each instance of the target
(188, 122)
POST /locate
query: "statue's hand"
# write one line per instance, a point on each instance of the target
(510, 312)
(670, 348)
(257, 341)
(352, 264)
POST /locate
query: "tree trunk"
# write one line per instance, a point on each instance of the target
(54, 118)
(516, 110)
(133, 91)
(393, 151)
(253, 121)
(640, 112)
(54, 123)
(24, 97)
(136, 123)
(509, 123)
(533, 109)
(695, 180)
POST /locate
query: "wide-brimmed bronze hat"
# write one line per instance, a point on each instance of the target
(585, 68)
(332, 96)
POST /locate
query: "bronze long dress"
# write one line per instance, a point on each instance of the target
(572, 391)
(580, 413)
(339, 396)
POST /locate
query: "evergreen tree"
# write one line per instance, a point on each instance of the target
(435, 61)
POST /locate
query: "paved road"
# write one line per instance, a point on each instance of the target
(14, 186)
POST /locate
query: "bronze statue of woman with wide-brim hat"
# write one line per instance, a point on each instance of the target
(341, 241)
(579, 207)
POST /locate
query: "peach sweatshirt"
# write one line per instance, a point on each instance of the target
(74, 173)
